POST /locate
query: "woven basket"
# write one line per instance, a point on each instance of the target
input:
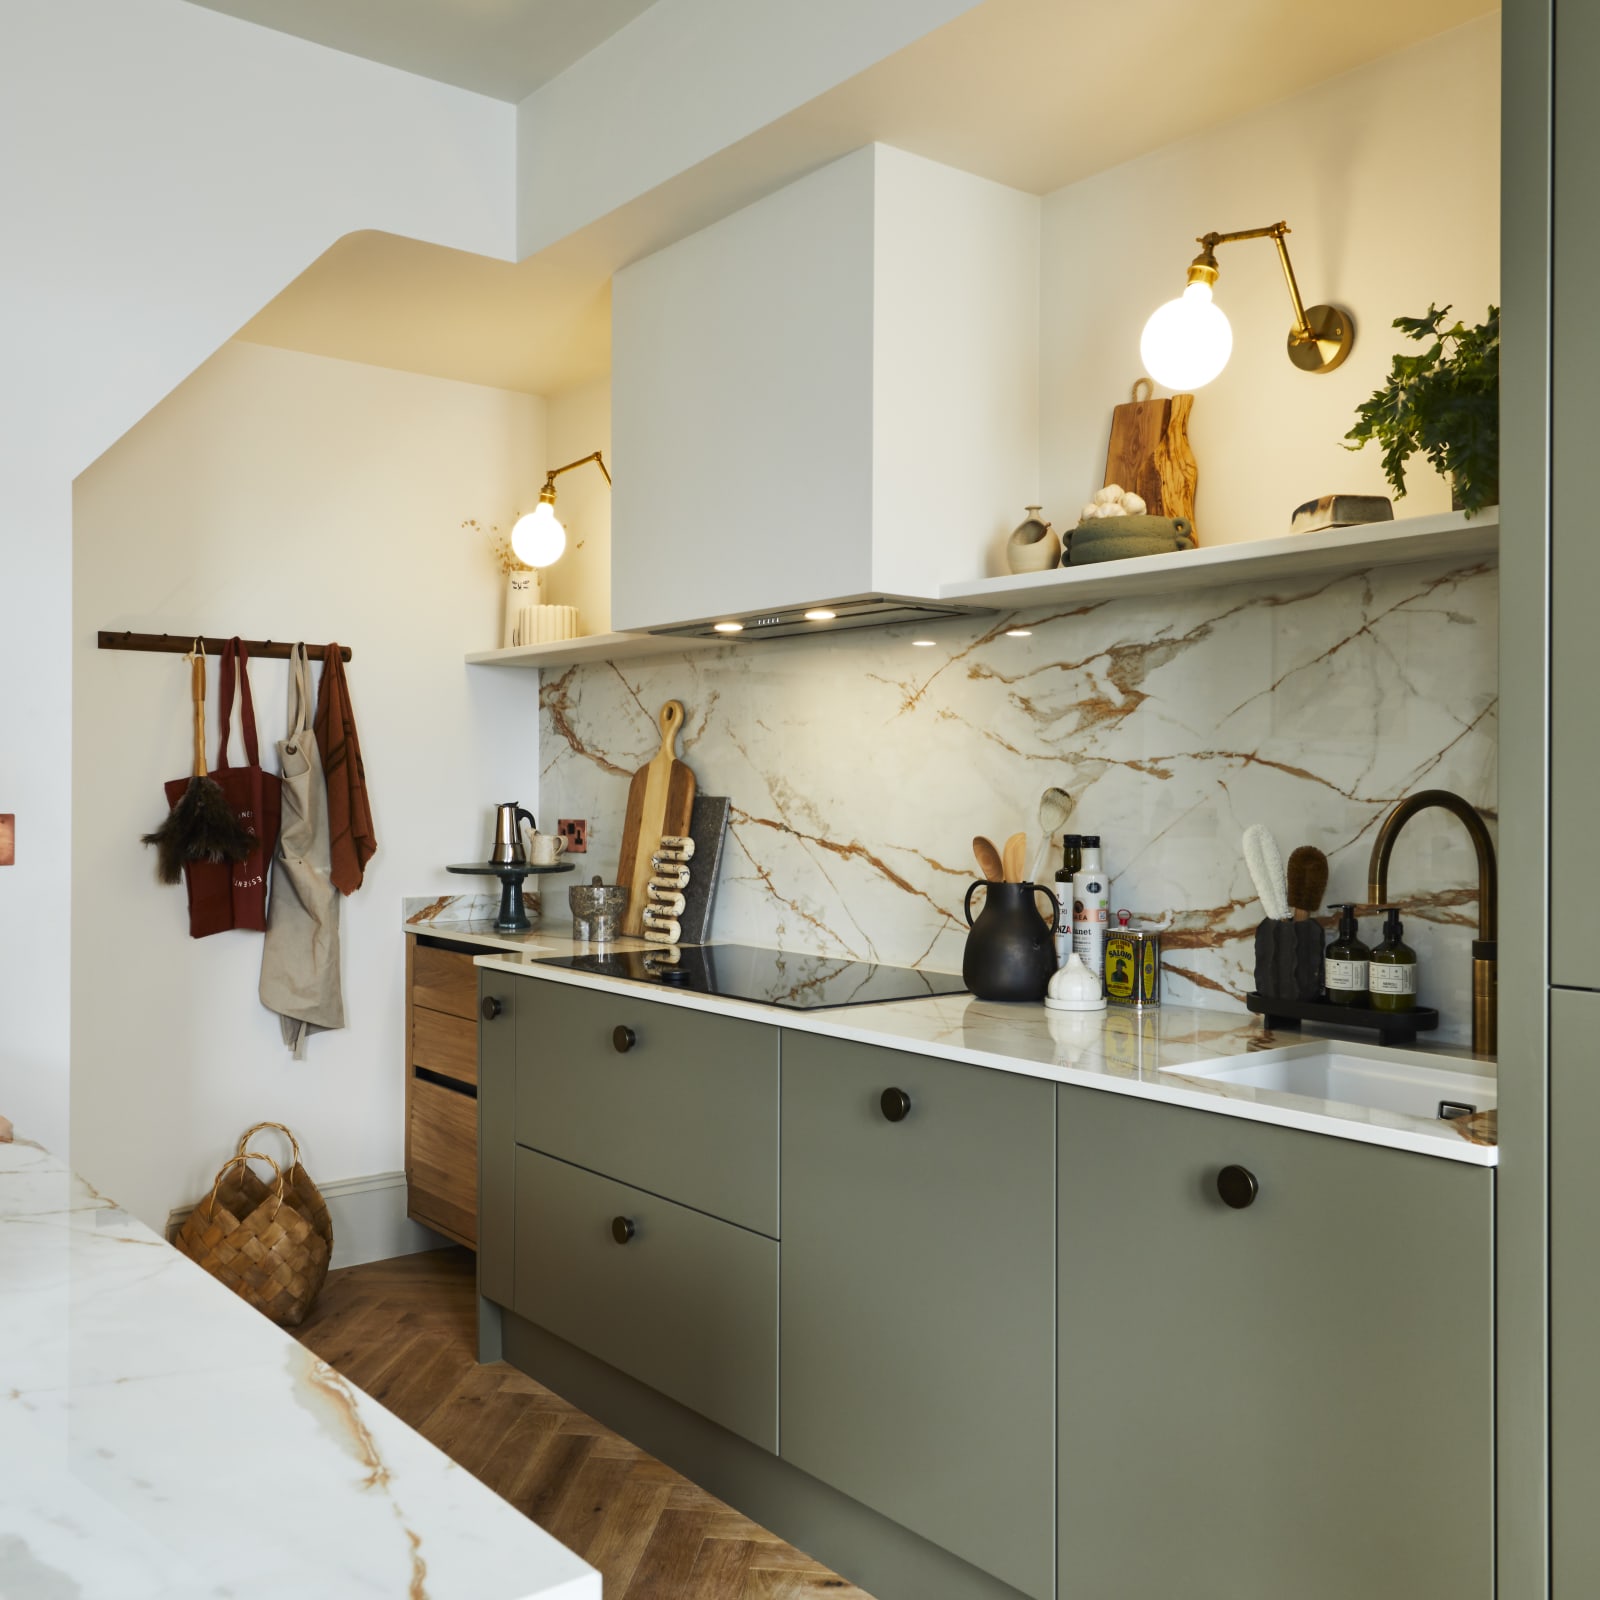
(264, 1249)
(298, 1191)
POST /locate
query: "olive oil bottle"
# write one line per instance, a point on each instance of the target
(1071, 862)
(1392, 971)
(1345, 962)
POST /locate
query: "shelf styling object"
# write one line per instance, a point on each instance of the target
(708, 828)
(1443, 404)
(1187, 342)
(1392, 1027)
(1126, 537)
(536, 624)
(522, 597)
(1341, 511)
(660, 805)
(1010, 952)
(1149, 453)
(1034, 546)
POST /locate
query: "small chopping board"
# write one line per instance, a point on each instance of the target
(660, 801)
(1149, 452)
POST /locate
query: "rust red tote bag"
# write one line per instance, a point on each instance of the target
(222, 894)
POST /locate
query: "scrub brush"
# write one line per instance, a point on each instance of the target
(1265, 861)
(1307, 880)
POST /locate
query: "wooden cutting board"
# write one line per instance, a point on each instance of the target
(1149, 452)
(660, 801)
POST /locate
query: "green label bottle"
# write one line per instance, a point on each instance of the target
(1392, 971)
(1345, 962)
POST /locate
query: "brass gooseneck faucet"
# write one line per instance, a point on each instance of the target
(1485, 951)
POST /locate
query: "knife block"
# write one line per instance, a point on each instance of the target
(1289, 959)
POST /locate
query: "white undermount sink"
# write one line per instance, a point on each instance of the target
(1371, 1077)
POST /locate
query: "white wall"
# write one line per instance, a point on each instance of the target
(1389, 177)
(683, 82)
(282, 496)
(577, 423)
(170, 170)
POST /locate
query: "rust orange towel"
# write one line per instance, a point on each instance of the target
(352, 841)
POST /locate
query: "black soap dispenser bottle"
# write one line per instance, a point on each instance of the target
(1392, 971)
(1345, 964)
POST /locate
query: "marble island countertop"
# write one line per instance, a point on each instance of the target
(1143, 1054)
(163, 1441)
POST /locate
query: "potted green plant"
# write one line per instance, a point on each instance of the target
(1444, 402)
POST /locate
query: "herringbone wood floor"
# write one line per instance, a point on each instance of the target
(405, 1331)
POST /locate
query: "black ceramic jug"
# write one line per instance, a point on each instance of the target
(1011, 951)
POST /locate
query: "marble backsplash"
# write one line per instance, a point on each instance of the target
(860, 766)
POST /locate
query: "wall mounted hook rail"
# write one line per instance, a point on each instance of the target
(180, 644)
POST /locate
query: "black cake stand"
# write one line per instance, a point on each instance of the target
(513, 916)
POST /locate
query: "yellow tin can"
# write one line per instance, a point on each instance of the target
(1133, 966)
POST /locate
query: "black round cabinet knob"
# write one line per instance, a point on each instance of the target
(1237, 1186)
(895, 1104)
(490, 1008)
(622, 1229)
(623, 1039)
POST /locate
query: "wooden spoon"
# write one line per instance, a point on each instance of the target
(1015, 857)
(988, 859)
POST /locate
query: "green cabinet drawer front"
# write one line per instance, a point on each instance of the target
(1574, 1294)
(497, 1094)
(1294, 1399)
(689, 1110)
(918, 1297)
(688, 1305)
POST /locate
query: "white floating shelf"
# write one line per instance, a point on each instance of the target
(1447, 536)
(591, 647)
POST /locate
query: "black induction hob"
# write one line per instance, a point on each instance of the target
(768, 977)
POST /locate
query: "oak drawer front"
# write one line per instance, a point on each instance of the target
(687, 1305)
(442, 1160)
(444, 980)
(688, 1110)
(446, 1045)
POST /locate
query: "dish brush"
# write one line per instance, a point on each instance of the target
(1307, 880)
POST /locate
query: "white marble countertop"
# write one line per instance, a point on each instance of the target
(1142, 1054)
(163, 1441)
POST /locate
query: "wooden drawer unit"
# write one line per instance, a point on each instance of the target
(676, 1299)
(445, 980)
(442, 1159)
(666, 1099)
(441, 1085)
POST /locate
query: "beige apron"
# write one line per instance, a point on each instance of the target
(300, 953)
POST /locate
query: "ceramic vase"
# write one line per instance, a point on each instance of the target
(1033, 546)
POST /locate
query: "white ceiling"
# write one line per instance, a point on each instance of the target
(503, 48)
(1016, 90)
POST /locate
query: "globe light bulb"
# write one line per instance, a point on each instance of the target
(538, 539)
(1187, 341)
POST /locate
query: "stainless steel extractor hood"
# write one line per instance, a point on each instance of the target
(824, 616)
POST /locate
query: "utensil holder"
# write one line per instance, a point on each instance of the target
(597, 910)
(1289, 959)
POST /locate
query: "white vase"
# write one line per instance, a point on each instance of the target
(522, 593)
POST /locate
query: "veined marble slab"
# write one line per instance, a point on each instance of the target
(861, 765)
(159, 1440)
(1143, 1054)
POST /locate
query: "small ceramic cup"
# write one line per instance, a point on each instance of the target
(544, 849)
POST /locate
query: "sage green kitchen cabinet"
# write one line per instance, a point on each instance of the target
(1289, 1399)
(674, 1100)
(498, 996)
(917, 1322)
(1574, 1295)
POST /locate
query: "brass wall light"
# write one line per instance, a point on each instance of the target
(1187, 341)
(538, 539)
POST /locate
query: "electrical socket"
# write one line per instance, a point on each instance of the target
(575, 830)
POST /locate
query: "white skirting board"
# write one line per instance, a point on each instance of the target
(369, 1220)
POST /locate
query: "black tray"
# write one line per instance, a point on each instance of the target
(1392, 1027)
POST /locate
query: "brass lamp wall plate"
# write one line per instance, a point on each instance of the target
(1333, 333)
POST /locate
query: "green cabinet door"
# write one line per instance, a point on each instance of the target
(1574, 1295)
(917, 1326)
(1288, 1401)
